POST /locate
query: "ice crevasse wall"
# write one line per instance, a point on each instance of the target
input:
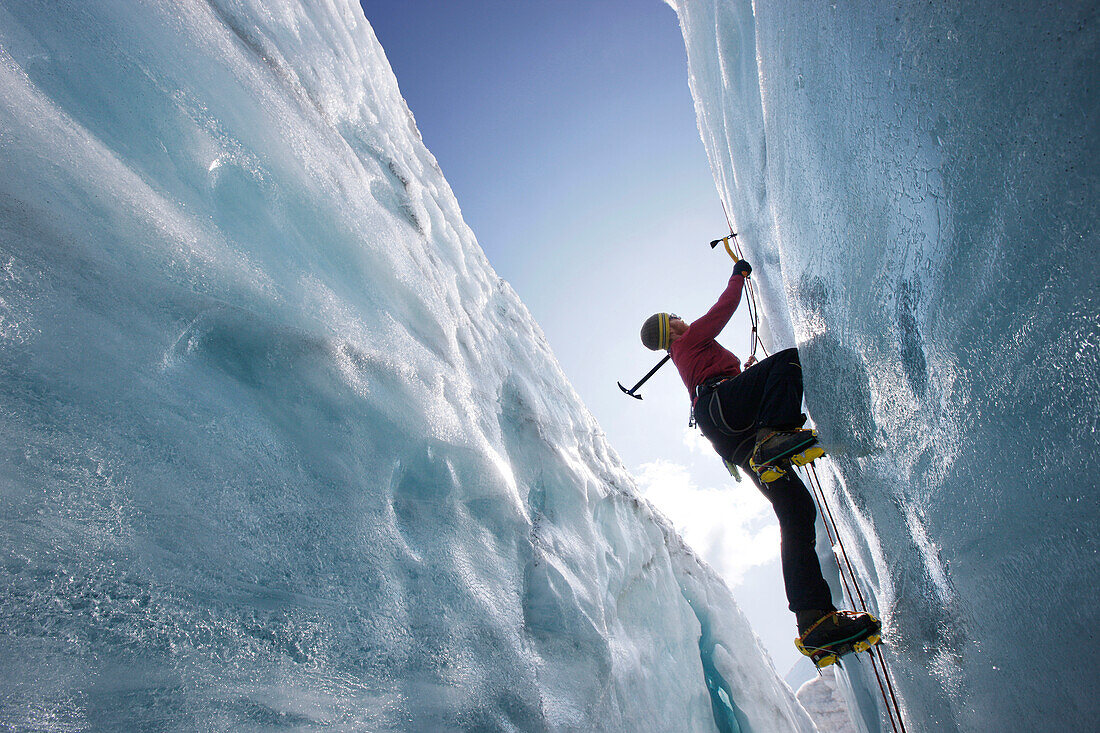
(279, 449)
(915, 184)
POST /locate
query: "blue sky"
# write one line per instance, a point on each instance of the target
(567, 131)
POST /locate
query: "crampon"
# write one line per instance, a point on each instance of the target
(837, 634)
(800, 449)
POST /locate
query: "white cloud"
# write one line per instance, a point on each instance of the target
(696, 443)
(732, 528)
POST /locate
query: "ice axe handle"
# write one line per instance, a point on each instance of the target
(644, 379)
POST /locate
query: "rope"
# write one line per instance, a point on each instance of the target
(754, 339)
(877, 659)
(882, 660)
(834, 541)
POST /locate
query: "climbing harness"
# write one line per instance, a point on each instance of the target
(849, 581)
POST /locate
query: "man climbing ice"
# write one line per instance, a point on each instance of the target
(754, 419)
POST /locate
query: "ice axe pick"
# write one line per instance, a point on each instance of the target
(726, 241)
(633, 390)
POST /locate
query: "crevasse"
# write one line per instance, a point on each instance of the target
(279, 449)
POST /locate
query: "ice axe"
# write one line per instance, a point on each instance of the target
(736, 256)
(726, 241)
(632, 391)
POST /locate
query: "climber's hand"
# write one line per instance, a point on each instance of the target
(742, 268)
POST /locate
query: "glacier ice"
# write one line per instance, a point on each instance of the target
(279, 449)
(825, 705)
(916, 186)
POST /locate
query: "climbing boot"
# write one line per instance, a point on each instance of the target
(798, 446)
(835, 634)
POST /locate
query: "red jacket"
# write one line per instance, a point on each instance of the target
(696, 354)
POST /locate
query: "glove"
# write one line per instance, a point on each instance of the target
(742, 268)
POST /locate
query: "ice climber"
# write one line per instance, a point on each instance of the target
(754, 420)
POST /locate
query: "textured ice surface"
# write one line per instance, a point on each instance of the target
(277, 447)
(916, 186)
(825, 704)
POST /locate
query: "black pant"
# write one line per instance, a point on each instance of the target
(769, 394)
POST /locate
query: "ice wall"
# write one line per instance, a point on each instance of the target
(279, 449)
(916, 186)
